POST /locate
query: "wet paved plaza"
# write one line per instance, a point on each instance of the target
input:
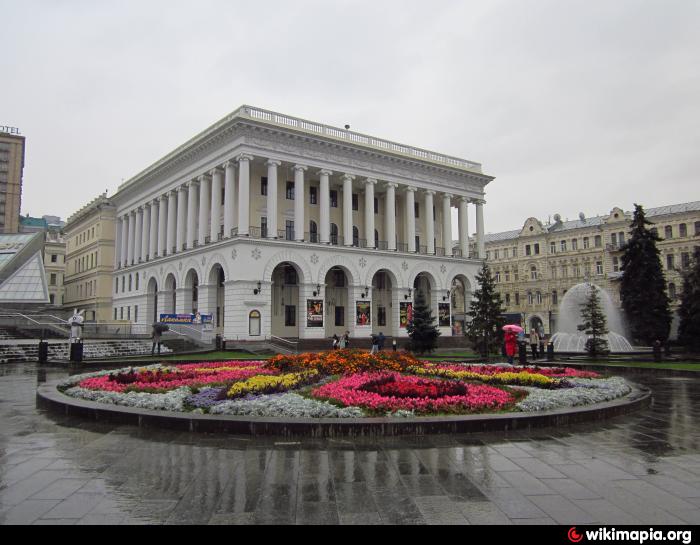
(639, 469)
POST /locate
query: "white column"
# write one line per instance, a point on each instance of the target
(216, 181)
(181, 219)
(429, 222)
(325, 203)
(369, 211)
(347, 209)
(137, 234)
(172, 221)
(244, 193)
(162, 226)
(272, 165)
(130, 255)
(125, 241)
(391, 216)
(204, 200)
(192, 186)
(411, 218)
(229, 197)
(480, 228)
(447, 223)
(464, 226)
(299, 202)
(118, 243)
(145, 232)
(153, 230)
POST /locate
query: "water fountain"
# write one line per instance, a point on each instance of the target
(569, 339)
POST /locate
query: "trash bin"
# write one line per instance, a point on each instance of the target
(76, 352)
(218, 342)
(394, 345)
(43, 351)
(522, 353)
(550, 351)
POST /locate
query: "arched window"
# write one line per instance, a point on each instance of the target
(254, 323)
(130, 282)
(533, 273)
(376, 239)
(529, 298)
(137, 281)
(355, 236)
(313, 231)
(538, 296)
(334, 234)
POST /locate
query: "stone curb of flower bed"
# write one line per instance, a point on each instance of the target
(48, 397)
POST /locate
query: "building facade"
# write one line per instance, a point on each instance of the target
(11, 172)
(89, 261)
(535, 266)
(55, 265)
(278, 226)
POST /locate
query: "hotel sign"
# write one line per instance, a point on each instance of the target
(9, 130)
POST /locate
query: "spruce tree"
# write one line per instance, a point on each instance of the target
(594, 324)
(643, 287)
(689, 311)
(484, 330)
(422, 330)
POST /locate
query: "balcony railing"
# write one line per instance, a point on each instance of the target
(402, 247)
(439, 251)
(382, 245)
(423, 250)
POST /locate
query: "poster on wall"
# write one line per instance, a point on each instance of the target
(405, 314)
(444, 314)
(205, 319)
(363, 313)
(314, 313)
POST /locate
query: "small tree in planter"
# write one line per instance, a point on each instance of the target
(689, 311)
(484, 330)
(594, 324)
(422, 330)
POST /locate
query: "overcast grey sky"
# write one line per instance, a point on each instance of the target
(572, 105)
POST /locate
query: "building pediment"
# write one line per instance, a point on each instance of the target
(617, 215)
(532, 227)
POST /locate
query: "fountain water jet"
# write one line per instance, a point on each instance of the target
(569, 339)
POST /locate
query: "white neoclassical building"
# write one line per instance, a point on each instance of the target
(283, 227)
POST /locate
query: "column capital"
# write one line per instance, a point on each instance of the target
(411, 188)
(348, 177)
(155, 202)
(429, 192)
(244, 157)
(325, 172)
(273, 162)
(204, 178)
(192, 183)
(214, 171)
(478, 202)
(370, 181)
(183, 187)
(464, 199)
(229, 163)
(392, 184)
(302, 168)
(447, 196)
(139, 208)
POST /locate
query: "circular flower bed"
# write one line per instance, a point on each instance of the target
(344, 384)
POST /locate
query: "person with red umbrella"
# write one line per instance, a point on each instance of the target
(511, 340)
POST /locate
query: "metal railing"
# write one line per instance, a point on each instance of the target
(439, 251)
(402, 247)
(423, 250)
(382, 245)
(285, 343)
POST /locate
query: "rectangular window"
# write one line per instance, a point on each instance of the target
(621, 238)
(263, 226)
(683, 230)
(52, 281)
(552, 247)
(599, 268)
(115, 314)
(574, 244)
(670, 262)
(334, 198)
(517, 299)
(128, 313)
(496, 254)
(697, 228)
(613, 239)
(555, 298)
(528, 250)
(290, 191)
(616, 264)
(416, 208)
(136, 313)
(376, 205)
(598, 241)
(507, 276)
(355, 202)
(537, 249)
(668, 231)
(507, 299)
(498, 277)
(685, 260)
(289, 230)
(585, 243)
(116, 286)
(290, 315)
(339, 316)
(54, 258)
(563, 245)
(263, 186)
(313, 195)
(515, 251)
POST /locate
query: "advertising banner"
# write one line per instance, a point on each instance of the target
(405, 314)
(444, 314)
(363, 313)
(186, 318)
(314, 313)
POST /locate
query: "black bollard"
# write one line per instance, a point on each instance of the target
(657, 351)
(550, 352)
(394, 345)
(76, 352)
(43, 351)
(522, 353)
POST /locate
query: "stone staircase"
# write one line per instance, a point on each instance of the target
(28, 352)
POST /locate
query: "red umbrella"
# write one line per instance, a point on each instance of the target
(512, 327)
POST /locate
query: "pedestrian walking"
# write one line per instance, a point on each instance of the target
(346, 338)
(381, 339)
(511, 345)
(375, 344)
(155, 336)
(534, 342)
(336, 342)
(543, 342)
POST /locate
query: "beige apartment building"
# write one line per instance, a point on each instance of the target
(89, 260)
(11, 169)
(55, 266)
(536, 265)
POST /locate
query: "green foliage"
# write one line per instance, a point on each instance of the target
(484, 331)
(422, 330)
(689, 311)
(594, 324)
(643, 287)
